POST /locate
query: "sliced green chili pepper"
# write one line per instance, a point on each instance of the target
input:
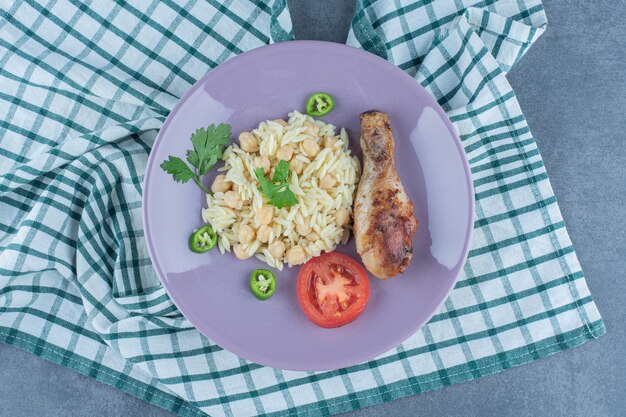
(262, 283)
(319, 104)
(203, 239)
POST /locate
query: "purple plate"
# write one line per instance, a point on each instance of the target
(211, 289)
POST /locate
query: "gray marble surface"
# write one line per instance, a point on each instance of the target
(572, 88)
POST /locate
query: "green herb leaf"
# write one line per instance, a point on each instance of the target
(281, 172)
(219, 138)
(178, 168)
(283, 197)
(208, 147)
(278, 191)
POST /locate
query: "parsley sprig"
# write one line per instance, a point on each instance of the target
(277, 190)
(208, 148)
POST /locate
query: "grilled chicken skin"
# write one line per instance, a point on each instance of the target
(384, 223)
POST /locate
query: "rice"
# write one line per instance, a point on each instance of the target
(318, 223)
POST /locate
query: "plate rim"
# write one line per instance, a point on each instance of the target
(359, 359)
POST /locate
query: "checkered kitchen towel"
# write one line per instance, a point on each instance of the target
(84, 88)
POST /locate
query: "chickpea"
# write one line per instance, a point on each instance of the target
(284, 153)
(248, 142)
(330, 141)
(233, 200)
(263, 234)
(280, 122)
(313, 236)
(342, 217)
(264, 215)
(296, 165)
(303, 229)
(262, 162)
(240, 252)
(220, 185)
(277, 249)
(296, 255)
(327, 182)
(246, 234)
(310, 147)
(235, 188)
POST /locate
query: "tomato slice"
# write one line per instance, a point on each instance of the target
(333, 289)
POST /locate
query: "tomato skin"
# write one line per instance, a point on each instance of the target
(319, 276)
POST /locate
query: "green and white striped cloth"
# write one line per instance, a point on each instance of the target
(84, 88)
